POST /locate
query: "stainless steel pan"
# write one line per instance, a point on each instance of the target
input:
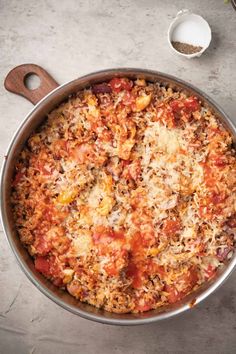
(47, 97)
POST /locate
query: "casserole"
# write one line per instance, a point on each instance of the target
(32, 121)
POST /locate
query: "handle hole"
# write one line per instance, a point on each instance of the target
(32, 81)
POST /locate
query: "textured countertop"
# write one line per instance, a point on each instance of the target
(71, 38)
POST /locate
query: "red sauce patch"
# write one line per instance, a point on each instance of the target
(105, 235)
(171, 227)
(191, 104)
(219, 160)
(135, 273)
(217, 198)
(141, 241)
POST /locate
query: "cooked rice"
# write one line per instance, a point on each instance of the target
(125, 196)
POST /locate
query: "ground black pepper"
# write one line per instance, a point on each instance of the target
(186, 48)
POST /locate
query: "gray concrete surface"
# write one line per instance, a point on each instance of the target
(71, 38)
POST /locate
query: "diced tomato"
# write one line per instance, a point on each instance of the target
(111, 269)
(171, 227)
(42, 265)
(176, 106)
(119, 84)
(49, 267)
(183, 108)
(177, 110)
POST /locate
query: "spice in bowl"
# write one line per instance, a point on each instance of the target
(186, 48)
(189, 35)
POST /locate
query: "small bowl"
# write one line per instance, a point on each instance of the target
(189, 28)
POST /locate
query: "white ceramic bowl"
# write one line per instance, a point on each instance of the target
(191, 29)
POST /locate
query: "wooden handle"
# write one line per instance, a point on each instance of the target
(16, 82)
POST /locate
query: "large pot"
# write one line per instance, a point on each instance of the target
(46, 97)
